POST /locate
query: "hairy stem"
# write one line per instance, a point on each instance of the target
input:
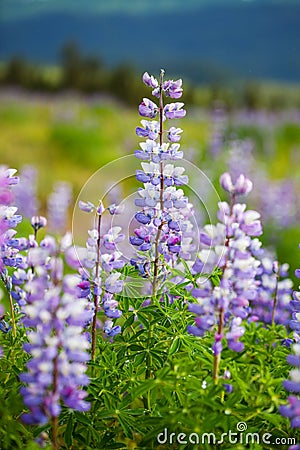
(275, 299)
(54, 419)
(159, 230)
(96, 295)
(217, 357)
(12, 314)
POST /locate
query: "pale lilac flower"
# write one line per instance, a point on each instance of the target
(150, 129)
(228, 246)
(149, 80)
(55, 317)
(174, 110)
(172, 88)
(58, 205)
(148, 108)
(26, 192)
(174, 134)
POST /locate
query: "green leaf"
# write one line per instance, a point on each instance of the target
(116, 445)
(125, 426)
(140, 357)
(175, 346)
(136, 348)
(125, 304)
(80, 417)
(142, 389)
(69, 431)
(128, 322)
(143, 319)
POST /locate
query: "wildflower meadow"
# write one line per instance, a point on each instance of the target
(160, 316)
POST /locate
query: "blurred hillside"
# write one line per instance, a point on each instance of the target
(88, 75)
(216, 41)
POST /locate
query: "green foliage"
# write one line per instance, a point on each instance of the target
(154, 377)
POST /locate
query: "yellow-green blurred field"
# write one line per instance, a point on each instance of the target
(68, 137)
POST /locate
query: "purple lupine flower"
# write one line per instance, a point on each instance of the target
(55, 316)
(242, 186)
(150, 129)
(292, 410)
(174, 110)
(100, 261)
(228, 246)
(113, 237)
(149, 80)
(8, 219)
(228, 388)
(38, 222)
(165, 213)
(274, 291)
(174, 134)
(235, 332)
(58, 207)
(218, 131)
(86, 206)
(26, 192)
(172, 88)
(110, 329)
(148, 108)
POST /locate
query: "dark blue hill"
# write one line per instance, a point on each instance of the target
(246, 40)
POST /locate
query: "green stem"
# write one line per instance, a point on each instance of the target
(217, 358)
(13, 318)
(96, 296)
(55, 433)
(275, 298)
(159, 230)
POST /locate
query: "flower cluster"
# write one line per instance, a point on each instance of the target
(55, 317)
(57, 207)
(272, 302)
(292, 410)
(26, 192)
(98, 265)
(8, 217)
(228, 247)
(161, 236)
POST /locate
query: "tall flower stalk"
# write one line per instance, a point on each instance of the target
(227, 248)
(292, 410)
(8, 221)
(159, 237)
(98, 265)
(55, 317)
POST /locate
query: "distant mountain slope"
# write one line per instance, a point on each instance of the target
(245, 40)
(12, 9)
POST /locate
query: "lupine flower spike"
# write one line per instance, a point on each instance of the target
(227, 247)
